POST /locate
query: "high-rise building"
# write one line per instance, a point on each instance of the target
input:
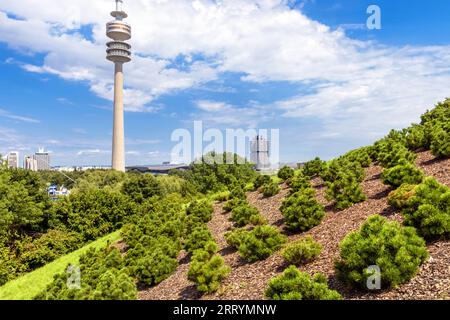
(42, 160)
(118, 52)
(13, 159)
(29, 163)
(260, 151)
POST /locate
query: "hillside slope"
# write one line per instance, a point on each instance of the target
(249, 281)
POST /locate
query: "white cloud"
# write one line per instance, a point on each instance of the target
(91, 152)
(9, 115)
(353, 85)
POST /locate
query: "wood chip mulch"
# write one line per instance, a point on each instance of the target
(249, 281)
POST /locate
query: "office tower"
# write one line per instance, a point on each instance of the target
(42, 160)
(13, 159)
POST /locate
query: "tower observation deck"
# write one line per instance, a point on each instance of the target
(118, 51)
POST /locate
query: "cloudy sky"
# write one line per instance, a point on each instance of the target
(310, 68)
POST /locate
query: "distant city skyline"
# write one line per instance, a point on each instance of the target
(309, 68)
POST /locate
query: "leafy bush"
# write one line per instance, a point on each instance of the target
(197, 239)
(51, 245)
(402, 173)
(245, 214)
(207, 269)
(94, 213)
(201, 210)
(296, 285)
(270, 189)
(400, 198)
(301, 210)
(398, 252)
(429, 210)
(314, 167)
(8, 265)
(103, 277)
(260, 243)
(154, 267)
(346, 191)
(286, 173)
(261, 180)
(141, 187)
(301, 251)
(338, 168)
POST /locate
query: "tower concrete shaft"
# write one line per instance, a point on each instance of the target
(118, 148)
(118, 52)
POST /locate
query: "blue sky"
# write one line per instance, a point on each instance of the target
(309, 68)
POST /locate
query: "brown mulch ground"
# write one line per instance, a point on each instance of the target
(248, 281)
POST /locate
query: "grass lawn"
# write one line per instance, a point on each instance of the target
(30, 284)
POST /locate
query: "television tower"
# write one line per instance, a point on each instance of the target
(118, 52)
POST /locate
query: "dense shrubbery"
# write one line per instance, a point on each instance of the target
(298, 183)
(296, 285)
(153, 266)
(103, 277)
(301, 251)
(233, 203)
(235, 237)
(391, 153)
(440, 140)
(197, 239)
(301, 210)
(403, 173)
(261, 180)
(200, 211)
(400, 197)
(260, 243)
(286, 173)
(361, 156)
(270, 189)
(314, 167)
(141, 187)
(207, 268)
(93, 213)
(429, 210)
(398, 252)
(346, 191)
(212, 176)
(245, 214)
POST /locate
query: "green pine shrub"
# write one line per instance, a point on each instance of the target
(298, 183)
(398, 251)
(345, 191)
(429, 210)
(246, 214)
(154, 266)
(141, 187)
(301, 251)
(235, 237)
(260, 243)
(233, 203)
(440, 140)
(270, 189)
(400, 197)
(416, 137)
(286, 173)
(261, 180)
(405, 172)
(202, 210)
(361, 156)
(238, 193)
(207, 269)
(296, 285)
(197, 239)
(314, 167)
(301, 210)
(391, 154)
